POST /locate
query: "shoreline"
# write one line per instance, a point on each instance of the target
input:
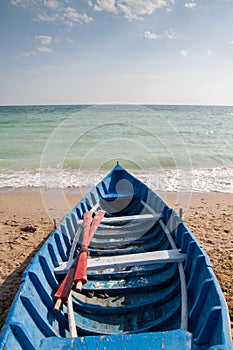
(200, 178)
(26, 220)
(72, 190)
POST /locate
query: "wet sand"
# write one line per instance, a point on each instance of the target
(26, 221)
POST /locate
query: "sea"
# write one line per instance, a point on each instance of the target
(170, 148)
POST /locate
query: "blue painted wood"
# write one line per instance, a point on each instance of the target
(140, 238)
(128, 302)
(158, 318)
(173, 340)
(159, 243)
(127, 272)
(135, 282)
(125, 303)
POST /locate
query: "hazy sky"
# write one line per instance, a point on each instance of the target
(122, 51)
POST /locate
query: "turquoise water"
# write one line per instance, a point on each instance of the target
(171, 148)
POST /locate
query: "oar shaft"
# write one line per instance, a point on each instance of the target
(58, 304)
(71, 320)
(79, 286)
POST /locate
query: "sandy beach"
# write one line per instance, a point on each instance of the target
(25, 224)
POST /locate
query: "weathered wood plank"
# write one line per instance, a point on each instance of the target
(128, 218)
(163, 256)
(156, 257)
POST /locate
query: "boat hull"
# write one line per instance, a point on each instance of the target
(159, 289)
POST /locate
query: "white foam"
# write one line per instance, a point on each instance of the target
(171, 180)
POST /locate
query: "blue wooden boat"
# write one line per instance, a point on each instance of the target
(150, 283)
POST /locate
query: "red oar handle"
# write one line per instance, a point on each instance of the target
(80, 276)
(63, 291)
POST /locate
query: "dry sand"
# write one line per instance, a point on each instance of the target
(25, 224)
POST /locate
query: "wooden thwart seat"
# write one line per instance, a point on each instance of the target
(156, 257)
(128, 218)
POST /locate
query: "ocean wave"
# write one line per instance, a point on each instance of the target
(217, 179)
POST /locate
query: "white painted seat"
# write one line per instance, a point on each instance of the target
(156, 257)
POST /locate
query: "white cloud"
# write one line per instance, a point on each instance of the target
(105, 5)
(70, 41)
(183, 52)
(48, 18)
(26, 54)
(44, 39)
(231, 45)
(169, 34)
(32, 72)
(52, 4)
(153, 36)
(88, 2)
(68, 15)
(23, 3)
(73, 16)
(130, 9)
(209, 51)
(190, 5)
(45, 49)
(54, 10)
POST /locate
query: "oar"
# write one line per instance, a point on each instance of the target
(78, 270)
(64, 267)
(80, 273)
(80, 276)
(63, 291)
(77, 235)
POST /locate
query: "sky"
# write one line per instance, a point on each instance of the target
(116, 51)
